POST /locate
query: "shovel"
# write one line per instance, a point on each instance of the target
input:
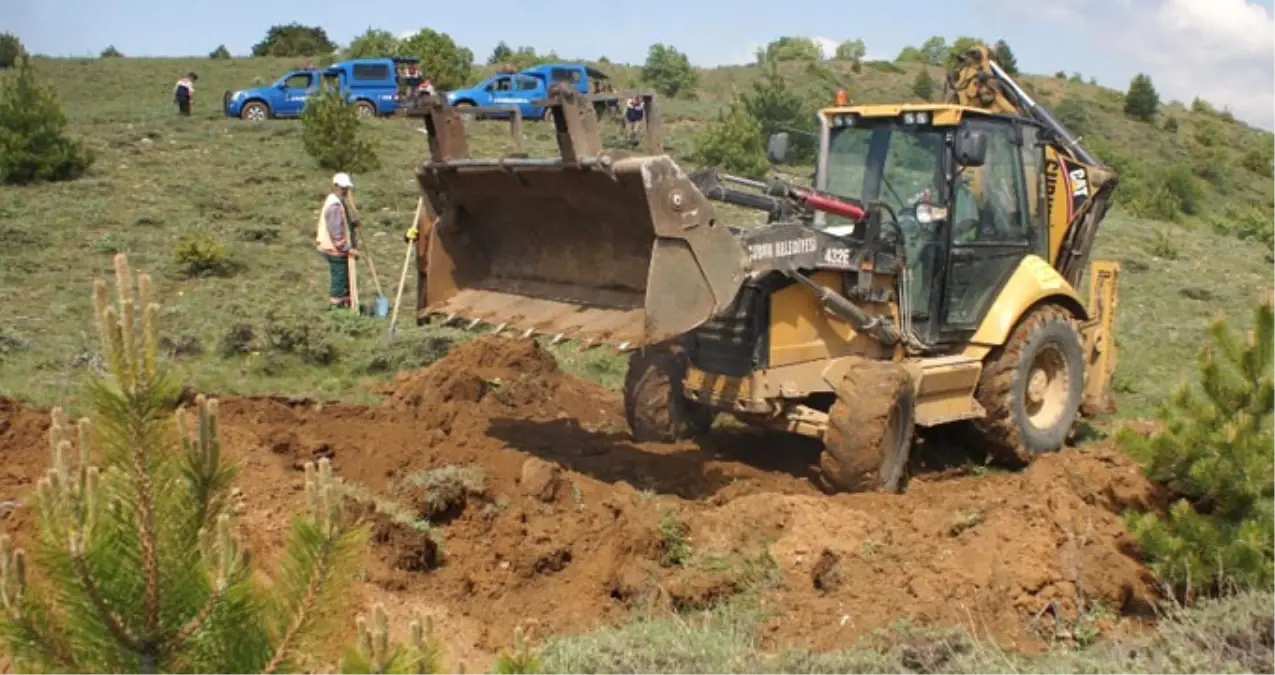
(380, 304)
(407, 260)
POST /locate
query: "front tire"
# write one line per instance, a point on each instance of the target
(655, 404)
(254, 111)
(869, 438)
(1031, 387)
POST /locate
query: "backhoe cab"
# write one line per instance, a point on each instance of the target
(928, 277)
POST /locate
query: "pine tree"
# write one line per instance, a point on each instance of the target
(333, 134)
(34, 145)
(1004, 57)
(1141, 101)
(733, 142)
(1214, 455)
(137, 564)
(373, 653)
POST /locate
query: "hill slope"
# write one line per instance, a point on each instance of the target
(254, 325)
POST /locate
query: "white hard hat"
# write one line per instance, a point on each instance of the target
(342, 180)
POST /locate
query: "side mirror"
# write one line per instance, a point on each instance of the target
(971, 148)
(777, 147)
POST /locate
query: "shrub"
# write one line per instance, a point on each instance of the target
(11, 50)
(669, 71)
(1252, 224)
(332, 134)
(136, 565)
(923, 85)
(733, 142)
(199, 253)
(790, 49)
(851, 50)
(33, 145)
(1073, 114)
(1214, 456)
(1142, 100)
(1171, 125)
(1260, 159)
(111, 53)
(220, 53)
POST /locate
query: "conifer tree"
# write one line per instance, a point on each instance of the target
(138, 567)
(1214, 455)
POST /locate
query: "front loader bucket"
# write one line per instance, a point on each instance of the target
(618, 250)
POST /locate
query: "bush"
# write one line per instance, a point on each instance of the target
(111, 53)
(198, 253)
(333, 134)
(443, 61)
(33, 145)
(10, 50)
(1214, 456)
(220, 53)
(1142, 99)
(136, 563)
(1260, 159)
(1171, 125)
(669, 71)
(923, 85)
(733, 142)
(790, 49)
(851, 50)
(1251, 225)
(1073, 114)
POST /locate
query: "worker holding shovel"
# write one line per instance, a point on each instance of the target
(334, 239)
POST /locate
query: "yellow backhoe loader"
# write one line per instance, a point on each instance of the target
(928, 277)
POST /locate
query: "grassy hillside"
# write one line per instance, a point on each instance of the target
(254, 323)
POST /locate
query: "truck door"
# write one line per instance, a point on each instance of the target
(297, 87)
(501, 92)
(529, 90)
(990, 225)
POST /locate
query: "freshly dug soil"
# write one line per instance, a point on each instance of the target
(545, 515)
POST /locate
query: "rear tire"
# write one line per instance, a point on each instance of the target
(1031, 387)
(869, 437)
(366, 109)
(655, 405)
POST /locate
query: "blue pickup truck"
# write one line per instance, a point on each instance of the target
(376, 86)
(528, 87)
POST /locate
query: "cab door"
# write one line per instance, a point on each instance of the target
(991, 228)
(296, 89)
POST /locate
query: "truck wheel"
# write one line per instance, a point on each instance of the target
(254, 111)
(869, 437)
(654, 404)
(465, 110)
(366, 109)
(1031, 387)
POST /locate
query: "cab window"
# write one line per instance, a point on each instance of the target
(991, 204)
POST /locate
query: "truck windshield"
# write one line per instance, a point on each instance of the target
(905, 162)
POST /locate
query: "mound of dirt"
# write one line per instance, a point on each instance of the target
(540, 508)
(24, 457)
(494, 375)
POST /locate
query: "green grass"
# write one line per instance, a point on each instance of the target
(252, 188)
(1218, 636)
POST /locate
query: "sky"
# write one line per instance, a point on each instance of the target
(1221, 50)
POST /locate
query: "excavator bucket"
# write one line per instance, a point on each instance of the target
(590, 246)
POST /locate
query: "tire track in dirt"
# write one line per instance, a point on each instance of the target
(563, 532)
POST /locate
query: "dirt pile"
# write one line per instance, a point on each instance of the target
(505, 493)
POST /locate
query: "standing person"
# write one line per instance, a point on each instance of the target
(184, 94)
(334, 239)
(633, 115)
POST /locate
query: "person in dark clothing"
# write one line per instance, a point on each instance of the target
(184, 93)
